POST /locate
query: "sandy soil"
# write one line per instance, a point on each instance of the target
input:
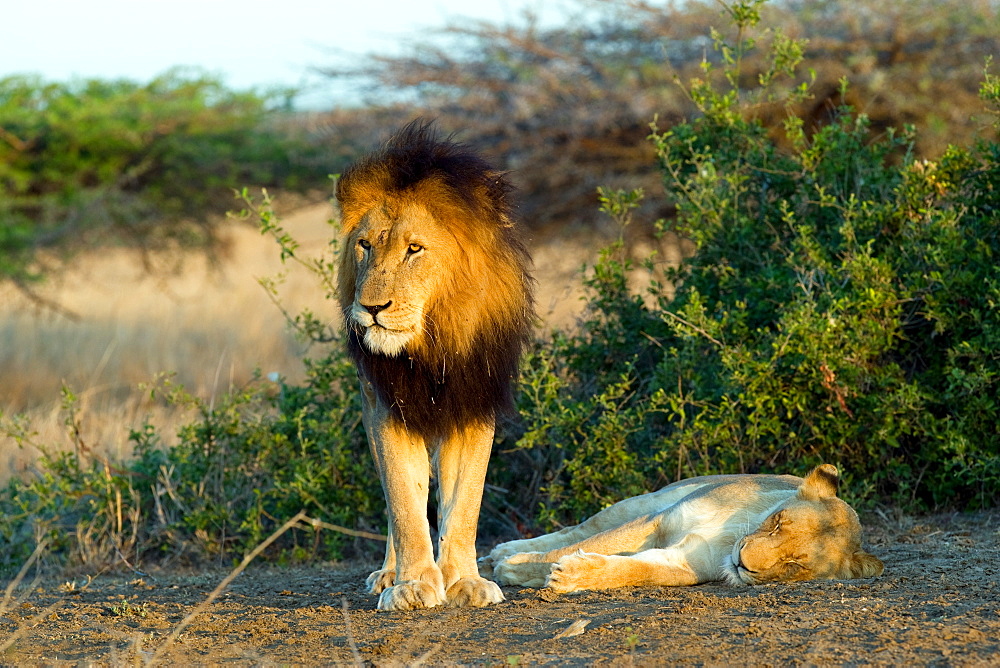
(938, 603)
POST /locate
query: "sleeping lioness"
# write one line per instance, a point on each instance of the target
(740, 529)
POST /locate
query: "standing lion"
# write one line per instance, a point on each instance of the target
(437, 300)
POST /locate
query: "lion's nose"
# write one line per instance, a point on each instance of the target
(374, 309)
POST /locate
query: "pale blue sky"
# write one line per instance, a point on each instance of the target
(248, 42)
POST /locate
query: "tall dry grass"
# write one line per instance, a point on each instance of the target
(207, 321)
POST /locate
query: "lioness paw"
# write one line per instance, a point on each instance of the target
(380, 580)
(473, 593)
(580, 570)
(413, 595)
(524, 570)
(512, 547)
(486, 565)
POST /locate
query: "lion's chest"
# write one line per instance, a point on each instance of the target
(436, 397)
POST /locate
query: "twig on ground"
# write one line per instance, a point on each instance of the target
(574, 629)
(358, 661)
(9, 592)
(184, 623)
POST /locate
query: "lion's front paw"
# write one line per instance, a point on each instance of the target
(473, 593)
(412, 595)
(380, 580)
(580, 570)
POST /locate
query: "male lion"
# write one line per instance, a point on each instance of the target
(741, 529)
(437, 300)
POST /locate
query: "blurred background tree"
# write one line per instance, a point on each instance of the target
(568, 108)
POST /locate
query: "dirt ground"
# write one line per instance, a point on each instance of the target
(938, 603)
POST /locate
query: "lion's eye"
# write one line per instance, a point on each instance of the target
(415, 248)
(364, 243)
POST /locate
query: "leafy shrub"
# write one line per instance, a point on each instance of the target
(841, 307)
(243, 467)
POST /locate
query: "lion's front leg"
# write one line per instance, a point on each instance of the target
(461, 463)
(409, 578)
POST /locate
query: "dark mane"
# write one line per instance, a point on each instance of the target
(434, 400)
(417, 153)
(448, 386)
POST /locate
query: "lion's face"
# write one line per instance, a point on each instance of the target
(402, 256)
(814, 536)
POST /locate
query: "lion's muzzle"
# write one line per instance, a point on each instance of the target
(381, 333)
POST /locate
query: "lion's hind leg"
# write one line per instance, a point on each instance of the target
(385, 577)
(380, 580)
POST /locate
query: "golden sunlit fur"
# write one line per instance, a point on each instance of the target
(437, 301)
(740, 529)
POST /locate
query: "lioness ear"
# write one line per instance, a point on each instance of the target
(863, 565)
(822, 482)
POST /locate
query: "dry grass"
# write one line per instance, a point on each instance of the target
(208, 323)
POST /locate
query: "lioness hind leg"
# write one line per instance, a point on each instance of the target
(627, 526)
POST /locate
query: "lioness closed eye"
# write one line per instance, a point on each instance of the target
(741, 529)
(437, 301)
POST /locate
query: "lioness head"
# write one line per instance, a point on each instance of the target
(813, 536)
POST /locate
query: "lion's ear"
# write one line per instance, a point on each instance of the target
(863, 565)
(822, 482)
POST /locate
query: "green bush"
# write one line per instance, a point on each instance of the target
(841, 307)
(242, 467)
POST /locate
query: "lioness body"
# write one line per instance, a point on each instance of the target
(741, 529)
(437, 302)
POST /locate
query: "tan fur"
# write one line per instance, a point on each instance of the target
(741, 529)
(437, 299)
